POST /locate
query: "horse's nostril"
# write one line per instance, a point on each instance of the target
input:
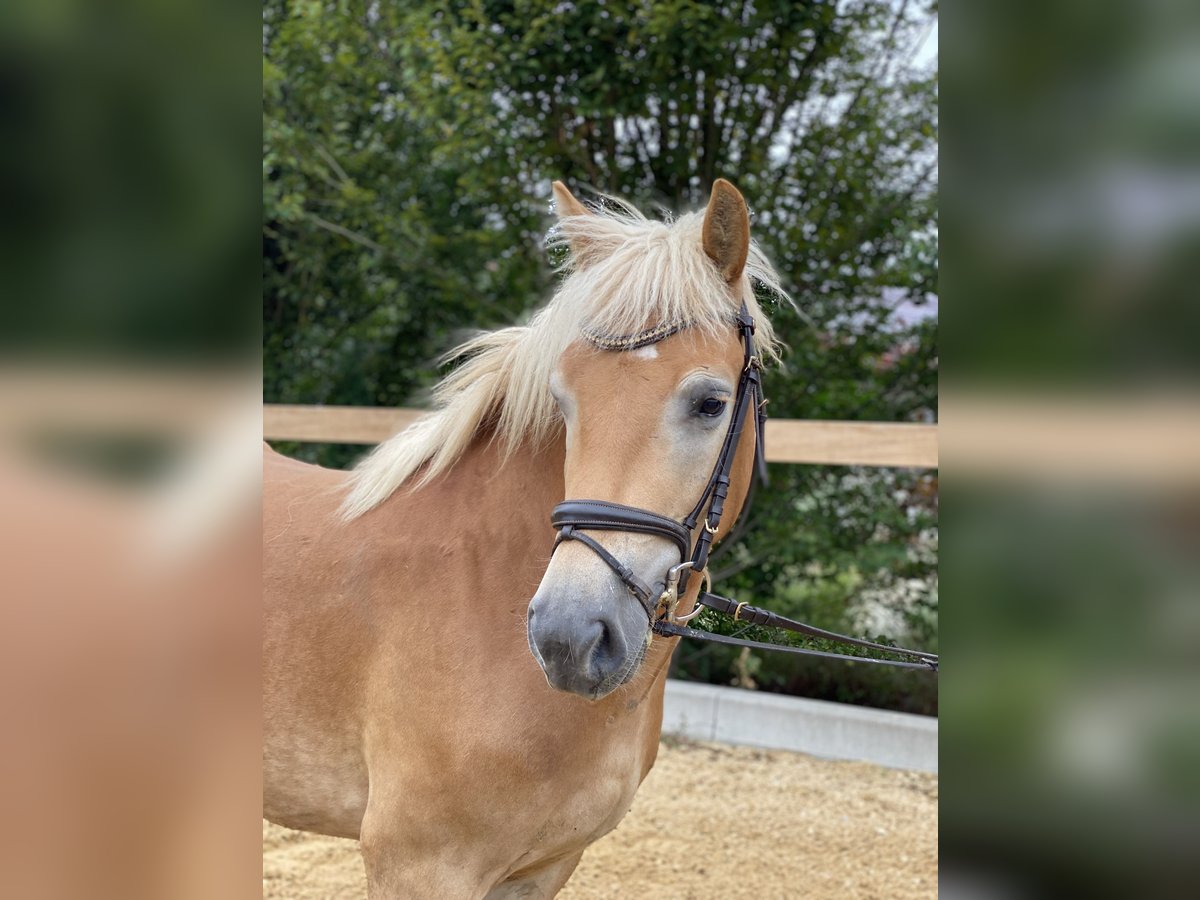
(602, 647)
(607, 650)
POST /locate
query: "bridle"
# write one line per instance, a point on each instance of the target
(573, 517)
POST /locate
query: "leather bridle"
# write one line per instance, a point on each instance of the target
(573, 517)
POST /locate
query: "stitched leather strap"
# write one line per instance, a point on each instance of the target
(753, 615)
(603, 515)
(748, 390)
(637, 587)
(669, 629)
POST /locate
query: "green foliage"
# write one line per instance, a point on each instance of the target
(408, 153)
(374, 249)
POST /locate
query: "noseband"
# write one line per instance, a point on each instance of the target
(573, 517)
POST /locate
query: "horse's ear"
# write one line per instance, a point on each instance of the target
(566, 204)
(569, 212)
(727, 230)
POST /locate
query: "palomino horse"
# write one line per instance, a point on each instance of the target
(403, 704)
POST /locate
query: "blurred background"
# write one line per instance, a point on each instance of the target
(129, 435)
(1070, 434)
(408, 155)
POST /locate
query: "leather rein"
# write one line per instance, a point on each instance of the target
(573, 517)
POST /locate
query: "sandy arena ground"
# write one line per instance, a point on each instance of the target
(711, 821)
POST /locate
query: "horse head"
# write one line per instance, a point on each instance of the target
(648, 395)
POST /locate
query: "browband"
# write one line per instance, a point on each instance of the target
(634, 341)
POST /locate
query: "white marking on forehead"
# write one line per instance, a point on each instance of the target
(647, 352)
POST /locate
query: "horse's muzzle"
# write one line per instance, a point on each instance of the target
(583, 654)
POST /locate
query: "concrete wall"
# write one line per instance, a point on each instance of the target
(833, 730)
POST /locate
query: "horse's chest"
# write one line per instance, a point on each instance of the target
(579, 807)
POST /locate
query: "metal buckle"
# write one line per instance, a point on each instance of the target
(669, 598)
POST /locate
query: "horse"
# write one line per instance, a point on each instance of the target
(471, 699)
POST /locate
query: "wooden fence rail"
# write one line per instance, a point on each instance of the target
(788, 440)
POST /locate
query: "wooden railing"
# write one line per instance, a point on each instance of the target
(788, 440)
(1149, 439)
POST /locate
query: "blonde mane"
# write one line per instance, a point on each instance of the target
(624, 273)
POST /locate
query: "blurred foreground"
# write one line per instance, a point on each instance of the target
(129, 450)
(129, 655)
(1071, 694)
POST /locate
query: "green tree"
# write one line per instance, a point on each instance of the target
(373, 255)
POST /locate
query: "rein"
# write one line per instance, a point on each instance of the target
(753, 615)
(572, 517)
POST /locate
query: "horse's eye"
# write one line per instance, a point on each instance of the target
(713, 406)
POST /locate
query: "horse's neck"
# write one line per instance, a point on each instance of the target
(513, 496)
(489, 517)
